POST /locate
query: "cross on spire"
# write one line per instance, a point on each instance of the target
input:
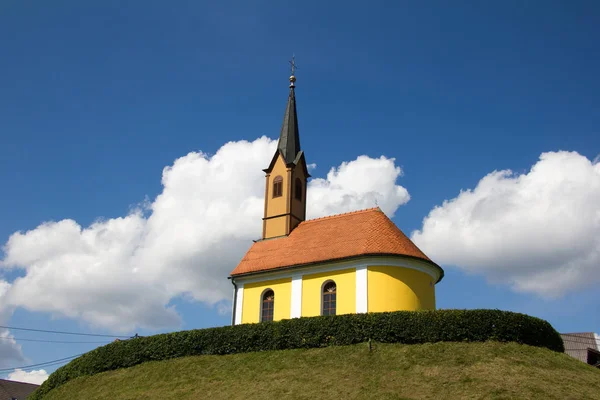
(289, 139)
(293, 64)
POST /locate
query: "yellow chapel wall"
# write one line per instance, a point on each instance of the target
(251, 305)
(298, 206)
(312, 285)
(276, 226)
(277, 205)
(397, 288)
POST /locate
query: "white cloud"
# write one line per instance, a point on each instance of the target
(10, 350)
(123, 272)
(362, 183)
(538, 232)
(37, 376)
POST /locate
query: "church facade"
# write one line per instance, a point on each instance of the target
(348, 263)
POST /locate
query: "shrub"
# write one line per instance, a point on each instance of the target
(407, 327)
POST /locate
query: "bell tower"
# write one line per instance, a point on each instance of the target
(286, 176)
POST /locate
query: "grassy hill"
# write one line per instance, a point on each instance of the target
(488, 370)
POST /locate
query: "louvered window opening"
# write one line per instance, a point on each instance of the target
(278, 186)
(298, 189)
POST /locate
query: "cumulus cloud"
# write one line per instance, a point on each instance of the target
(123, 272)
(37, 376)
(10, 351)
(362, 183)
(538, 231)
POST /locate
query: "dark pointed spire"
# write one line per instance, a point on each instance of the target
(289, 138)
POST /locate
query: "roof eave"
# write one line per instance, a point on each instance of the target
(273, 160)
(289, 267)
(299, 157)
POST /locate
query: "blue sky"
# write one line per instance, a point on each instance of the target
(98, 97)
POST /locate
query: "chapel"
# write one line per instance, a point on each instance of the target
(355, 262)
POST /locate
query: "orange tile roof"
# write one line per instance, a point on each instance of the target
(354, 234)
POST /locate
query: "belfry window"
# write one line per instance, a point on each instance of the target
(268, 305)
(278, 186)
(329, 298)
(298, 189)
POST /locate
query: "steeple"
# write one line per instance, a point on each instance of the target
(289, 138)
(288, 144)
(286, 176)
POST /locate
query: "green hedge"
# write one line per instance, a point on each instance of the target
(396, 327)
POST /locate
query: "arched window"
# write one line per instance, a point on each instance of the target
(268, 305)
(298, 189)
(278, 186)
(329, 294)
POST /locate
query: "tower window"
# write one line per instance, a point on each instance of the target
(278, 186)
(329, 298)
(268, 305)
(298, 189)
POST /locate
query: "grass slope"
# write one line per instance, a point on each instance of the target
(391, 371)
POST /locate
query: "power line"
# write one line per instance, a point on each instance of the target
(44, 367)
(44, 364)
(41, 366)
(62, 332)
(49, 341)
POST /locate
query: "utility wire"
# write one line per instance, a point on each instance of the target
(62, 332)
(41, 366)
(49, 341)
(44, 364)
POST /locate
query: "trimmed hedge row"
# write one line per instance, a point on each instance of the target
(407, 327)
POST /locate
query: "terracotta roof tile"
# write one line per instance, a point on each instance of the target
(358, 233)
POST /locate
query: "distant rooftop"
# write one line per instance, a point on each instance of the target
(10, 390)
(584, 346)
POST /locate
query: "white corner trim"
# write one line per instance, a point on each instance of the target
(239, 302)
(361, 289)
(597, 341)
(296, 303)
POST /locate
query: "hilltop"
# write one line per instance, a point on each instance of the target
(390, 371)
